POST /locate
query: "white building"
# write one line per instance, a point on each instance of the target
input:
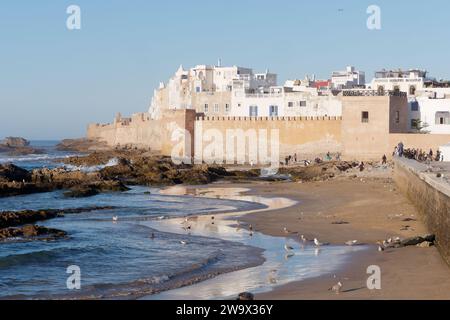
(348, 79)
(411, 81)
(237, 91)
(429, 102)
(433, 113)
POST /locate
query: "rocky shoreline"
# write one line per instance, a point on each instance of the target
(139, 167)
(20, 224)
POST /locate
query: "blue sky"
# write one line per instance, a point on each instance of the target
(54, 81)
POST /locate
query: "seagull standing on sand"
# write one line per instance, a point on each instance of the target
(380, 249)
(317, 243)
(302, 237)
(351, 242)
(337, 288)
(288, 248)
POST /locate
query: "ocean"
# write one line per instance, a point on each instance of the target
(122, 260)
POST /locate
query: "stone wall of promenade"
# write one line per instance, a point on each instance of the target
(430, 194)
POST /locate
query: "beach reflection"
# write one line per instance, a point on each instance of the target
(280, 267)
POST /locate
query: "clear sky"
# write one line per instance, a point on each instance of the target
(54, 81)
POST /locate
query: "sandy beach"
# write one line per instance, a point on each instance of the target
(372, 210)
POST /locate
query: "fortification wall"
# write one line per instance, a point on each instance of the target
(430, 195)
(306, 136)
(139, 131)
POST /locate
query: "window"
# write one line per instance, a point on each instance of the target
(197, 89)
(273, 111)
(415, 124)
(216, 108)
(442, 118)
(414, 106)
(397, 117)
(380, 90)
(365, 117)
(290, 104)
(227, 107)
(396, 89)
(239, 105)
(253, 111)
(206, 107)
(302, 103)
(412, 90)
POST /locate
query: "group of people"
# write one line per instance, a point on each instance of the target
(288, 160)
(422, 156)
(418, 154)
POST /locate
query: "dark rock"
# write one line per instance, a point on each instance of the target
(246, 296)
(15, 218)
(32, 231)
(89, 190)
(417, 240)
(81, 192)
(340, 222)
(10, 173)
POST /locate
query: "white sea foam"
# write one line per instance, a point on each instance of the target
(87, 169)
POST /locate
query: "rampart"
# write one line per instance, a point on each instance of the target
(431, 195)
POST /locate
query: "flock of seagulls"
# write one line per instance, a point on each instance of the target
(391, 242)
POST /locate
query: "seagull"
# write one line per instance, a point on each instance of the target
(380, 249)
(115, 218)
(351, 242)
(161, 218)
(336, 288)
(250, 228)
(288, 248)
(183, 242)
(273, 277)
(286, 230)
(317, 243)
(302, 237)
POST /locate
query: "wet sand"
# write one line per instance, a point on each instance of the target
(373, 210)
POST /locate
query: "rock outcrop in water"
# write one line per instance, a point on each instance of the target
(16, 181)
(17, 218)
(32, 232)
(15, 142)
(11, 220)
(15, 146)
